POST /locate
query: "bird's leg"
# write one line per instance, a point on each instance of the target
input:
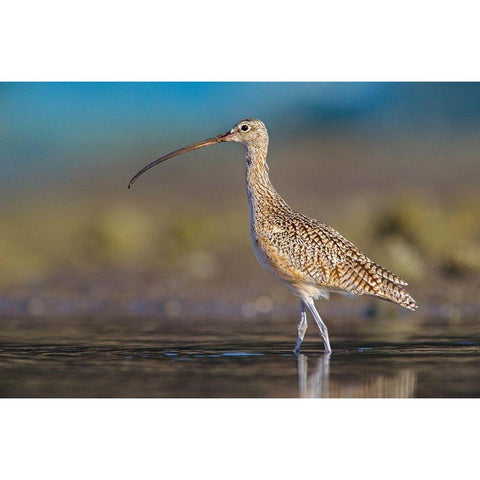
(302, 328)
(321, 326)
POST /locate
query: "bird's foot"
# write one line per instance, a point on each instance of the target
(297, 348)
(326, 344)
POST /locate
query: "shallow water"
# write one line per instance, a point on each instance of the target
(130, 358)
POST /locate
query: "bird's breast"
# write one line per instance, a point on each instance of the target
(280, 265)
(270, 256)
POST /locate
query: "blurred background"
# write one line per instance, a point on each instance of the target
(395, 167)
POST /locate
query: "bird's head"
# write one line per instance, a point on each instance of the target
(250, 132)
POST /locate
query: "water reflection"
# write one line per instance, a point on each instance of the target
(100, 358)
(317, 384)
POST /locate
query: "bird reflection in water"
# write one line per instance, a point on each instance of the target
(317, 382)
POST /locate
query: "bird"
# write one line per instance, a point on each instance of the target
(311, 258)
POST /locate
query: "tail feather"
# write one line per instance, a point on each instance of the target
(368, 278)
(376, 269)
(397, 294)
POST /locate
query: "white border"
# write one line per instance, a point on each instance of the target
(238, 439)
(239, 40)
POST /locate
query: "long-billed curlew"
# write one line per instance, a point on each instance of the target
(309, 257)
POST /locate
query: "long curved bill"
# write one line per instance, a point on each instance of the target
(225, 137)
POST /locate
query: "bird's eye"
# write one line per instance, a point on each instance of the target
(245, 128)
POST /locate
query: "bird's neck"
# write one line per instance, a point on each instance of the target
(260, 190)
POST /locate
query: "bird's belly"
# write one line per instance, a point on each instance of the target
(265, 256)
(281, 267)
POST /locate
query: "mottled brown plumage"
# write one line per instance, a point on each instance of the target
(306, 250)
(311, 258)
